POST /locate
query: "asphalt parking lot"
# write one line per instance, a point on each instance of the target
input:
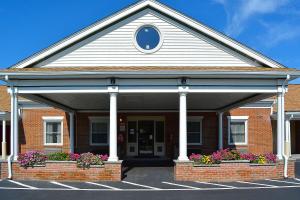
(161, 186)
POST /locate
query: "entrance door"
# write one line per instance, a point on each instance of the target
(146, 138)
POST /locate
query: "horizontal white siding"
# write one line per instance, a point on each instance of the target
(115, 47)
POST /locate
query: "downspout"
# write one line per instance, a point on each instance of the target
(10, 157)
(285, 152)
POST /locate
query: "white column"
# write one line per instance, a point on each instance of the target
(220, 144)
(12, 102)
(287, 137)
(72, 136)
(113, 128)
(182, 127)
(16, 126)
(4, 139)
(282, 123)
(279, 126)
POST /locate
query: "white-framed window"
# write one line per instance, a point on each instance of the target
(194, 130)
(53, 130)
(99, 131)
(237, 130)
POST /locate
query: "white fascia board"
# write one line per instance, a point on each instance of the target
(161, 8)
(147, 74)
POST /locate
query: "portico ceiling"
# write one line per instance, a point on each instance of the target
(143, 101)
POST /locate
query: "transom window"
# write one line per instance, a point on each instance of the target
(147, 39)
(53, 130)
(194, 130)
(237, 130)
(99, 128)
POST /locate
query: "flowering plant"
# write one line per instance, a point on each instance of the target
(103, 157)
(195, 157)
(31, 158)
(227, 154)
(62, 156)
(85, 160)
(248, 156)
(270, 157)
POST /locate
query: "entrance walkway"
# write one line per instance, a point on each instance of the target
(148, 170)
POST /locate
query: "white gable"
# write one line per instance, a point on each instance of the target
(114, 46)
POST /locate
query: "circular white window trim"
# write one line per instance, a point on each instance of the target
(158, 46)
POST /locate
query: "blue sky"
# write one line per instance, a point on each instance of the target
(270, 26)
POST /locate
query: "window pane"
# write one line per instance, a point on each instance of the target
(237, 132)
(100, 132)
(193, 132)
(147, 38)
(99, 138)
(132, 132)
(193, 126)
(53, 132)
(99, 127)
(159, 131)
(193, 137)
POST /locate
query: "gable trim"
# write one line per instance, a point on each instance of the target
(134, 9)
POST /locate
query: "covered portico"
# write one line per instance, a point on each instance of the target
(161, 90)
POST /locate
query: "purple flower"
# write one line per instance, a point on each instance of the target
(31, 158)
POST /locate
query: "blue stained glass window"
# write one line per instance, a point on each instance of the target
(147, 38)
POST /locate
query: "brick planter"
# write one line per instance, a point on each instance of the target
(230, 171)
(64, 170)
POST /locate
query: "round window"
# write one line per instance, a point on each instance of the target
(147, 38)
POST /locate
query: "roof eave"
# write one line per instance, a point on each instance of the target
(137, 74)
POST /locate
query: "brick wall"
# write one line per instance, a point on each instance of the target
(260, 135)
(185, 171)
(31, 131)
(64, 171)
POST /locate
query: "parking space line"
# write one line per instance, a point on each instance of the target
(102, 185)
(64, 185)
(217, 184)
(180, 185)
(279, 181)
(145, 186)
(261, 184)
(22, 184)
(296, 179)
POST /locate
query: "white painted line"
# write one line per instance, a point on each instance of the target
(217, 184)
(186, 186)
(261, 184)
(64, 185)
(145, 186)
(22, 184)
(296, 179)
(279, 181)
(102, 185)
(147, 190)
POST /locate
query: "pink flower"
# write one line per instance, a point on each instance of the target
(195, 157)
(104, 157)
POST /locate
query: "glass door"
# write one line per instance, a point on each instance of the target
(146, 137)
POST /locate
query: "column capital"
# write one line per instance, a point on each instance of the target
(113, 89)
(183, 90)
